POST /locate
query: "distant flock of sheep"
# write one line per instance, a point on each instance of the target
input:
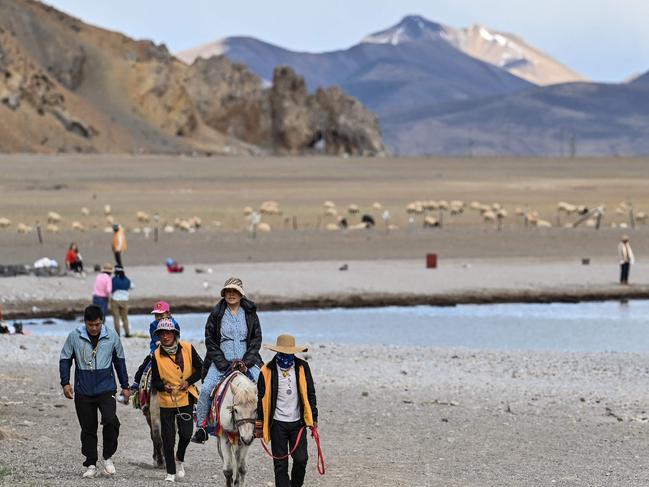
(430, 214)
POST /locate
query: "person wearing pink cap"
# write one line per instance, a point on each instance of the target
(161, 309)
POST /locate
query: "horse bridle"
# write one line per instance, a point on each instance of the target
(239, 422)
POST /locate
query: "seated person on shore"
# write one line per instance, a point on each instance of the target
(232, 339)
(175, 366)
(73, 259)
(160, 310)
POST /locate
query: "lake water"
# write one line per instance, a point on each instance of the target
(590, 327)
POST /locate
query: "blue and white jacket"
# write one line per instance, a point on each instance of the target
(93, 371)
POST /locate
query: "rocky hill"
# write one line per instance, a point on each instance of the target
(68, 86)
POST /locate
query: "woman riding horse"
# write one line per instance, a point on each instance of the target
(175, 366)
(232, 339)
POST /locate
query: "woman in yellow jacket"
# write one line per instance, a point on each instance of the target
(175, 366)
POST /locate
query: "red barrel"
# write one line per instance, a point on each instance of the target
(431, 261)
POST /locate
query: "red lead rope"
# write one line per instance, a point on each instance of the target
(316, 437)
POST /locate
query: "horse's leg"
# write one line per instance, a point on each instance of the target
(227, 459)
(242, 467)
(156, 435)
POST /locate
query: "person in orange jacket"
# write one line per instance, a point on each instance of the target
(119, 243)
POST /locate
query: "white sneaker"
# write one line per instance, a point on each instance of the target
(180, 470)
(91, 473)
(109, 468)
(170, 478)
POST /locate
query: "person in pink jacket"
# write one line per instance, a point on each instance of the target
(103, 288)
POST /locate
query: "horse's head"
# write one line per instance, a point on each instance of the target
(244, 408)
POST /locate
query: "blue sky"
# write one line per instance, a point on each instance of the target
(605, 40)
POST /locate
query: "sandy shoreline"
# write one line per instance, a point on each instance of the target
(320, 284)
(390, 416)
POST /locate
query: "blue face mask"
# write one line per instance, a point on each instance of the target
(285, 360)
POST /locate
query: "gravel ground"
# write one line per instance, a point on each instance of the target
(389, 416)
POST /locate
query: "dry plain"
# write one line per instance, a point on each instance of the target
(390, 416)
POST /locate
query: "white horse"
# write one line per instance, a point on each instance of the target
(237, 414)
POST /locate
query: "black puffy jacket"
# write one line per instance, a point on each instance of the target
(214, 353)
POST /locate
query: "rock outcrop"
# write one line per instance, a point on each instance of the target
(68, 86)
(283, 118)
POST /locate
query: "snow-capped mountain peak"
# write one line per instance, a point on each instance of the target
(412, 28)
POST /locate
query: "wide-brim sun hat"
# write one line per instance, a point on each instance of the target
(625, 238)
(165, 324)
(107, 268)
(233, 283)
(286, 344)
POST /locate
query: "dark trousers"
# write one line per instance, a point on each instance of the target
(87, 407)
(624, 272)
(118, 257)
(282, 439)
(76, 266)
(168, 421)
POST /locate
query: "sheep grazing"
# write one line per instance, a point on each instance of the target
(430, 222)
(357, 226)
(85, 211)
(641, 217)
(107, 210)
(519, 211)
(22, 228)
(456, 207)
(475, 205)
(108, 229)
(263, 227)
(377, 206)
(5, 222)
(429, 205)
(414, 208)
(247, 211)
(52, 228)
(143, 217)
(78, 226)
(270, 208)
(353, 209)
(53, 217)
(110, 219)
(543, 224)
(443, 205)
(331, 226)
(331, 212)
(489, 216)
(168, 229)
(566, 208)
(329, 204)
(196, 222)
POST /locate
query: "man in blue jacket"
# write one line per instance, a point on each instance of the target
(96, 350)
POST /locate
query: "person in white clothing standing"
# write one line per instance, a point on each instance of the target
(626, 259)
(286, 406)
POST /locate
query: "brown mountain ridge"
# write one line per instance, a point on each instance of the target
(68, 86)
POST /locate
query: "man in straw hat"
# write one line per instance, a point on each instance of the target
(286, 403)
(232, 340)
(626, 259)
